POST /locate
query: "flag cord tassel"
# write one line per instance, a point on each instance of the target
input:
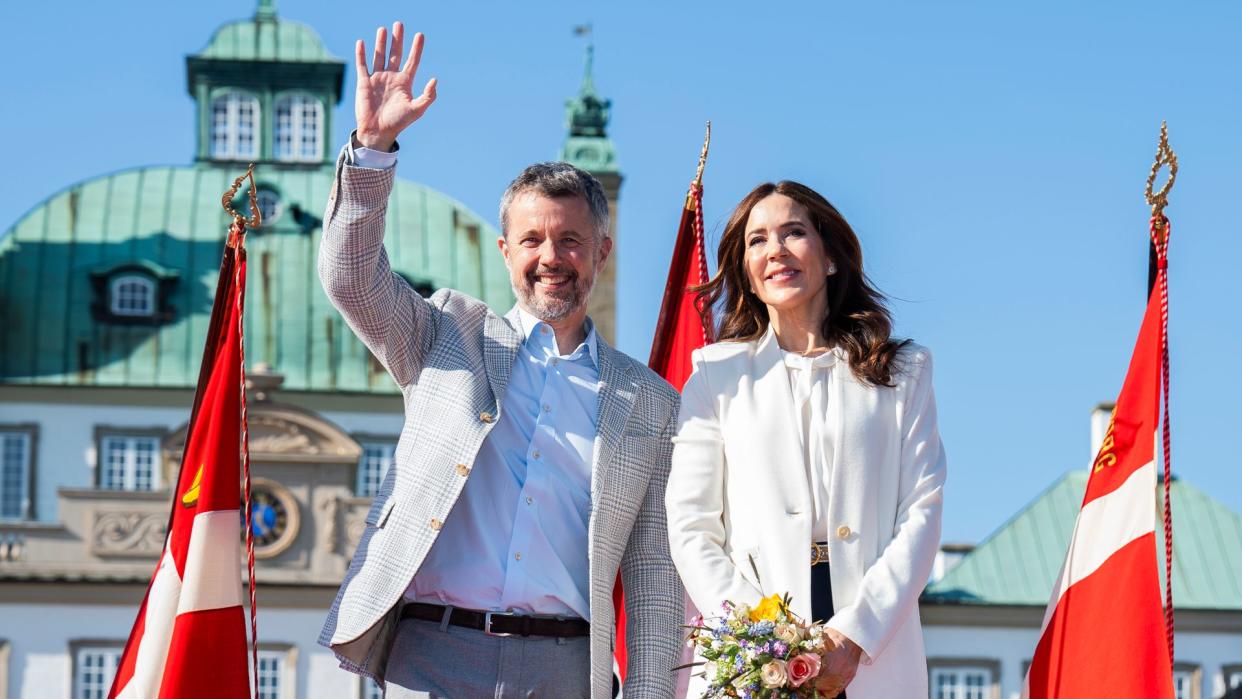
(1160, 229)
(237, 240)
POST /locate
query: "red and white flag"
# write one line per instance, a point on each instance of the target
(1105, 631)
(189, 640)
(680, 330)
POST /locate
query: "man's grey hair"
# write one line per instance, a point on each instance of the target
(557, 179)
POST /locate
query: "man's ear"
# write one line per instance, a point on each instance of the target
(504, 248)
(605, 249)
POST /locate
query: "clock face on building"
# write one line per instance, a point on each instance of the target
(273, 518)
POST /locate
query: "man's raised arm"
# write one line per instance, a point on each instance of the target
(386, 313)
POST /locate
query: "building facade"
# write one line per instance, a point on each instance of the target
(106, 289)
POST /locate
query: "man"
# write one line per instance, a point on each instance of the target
(534, 457)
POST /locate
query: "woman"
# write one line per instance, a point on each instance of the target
(808, 459)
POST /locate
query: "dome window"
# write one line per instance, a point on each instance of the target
(132, 295)
(270, 206)
(234, 126)
(299, 129)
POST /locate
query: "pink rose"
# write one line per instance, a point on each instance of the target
(802, 668)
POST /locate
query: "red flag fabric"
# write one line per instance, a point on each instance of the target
(1104, 631)
(189, 640)
(679, 331)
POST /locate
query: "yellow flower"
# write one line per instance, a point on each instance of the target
(767, 609)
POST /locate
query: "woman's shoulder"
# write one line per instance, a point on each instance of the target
(723, 352)
(911, 360)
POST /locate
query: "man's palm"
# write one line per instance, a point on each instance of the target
(384, 103)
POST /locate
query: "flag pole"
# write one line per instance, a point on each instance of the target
(1158, 278)
(237, 241)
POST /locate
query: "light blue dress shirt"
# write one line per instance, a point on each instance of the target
(517, 538)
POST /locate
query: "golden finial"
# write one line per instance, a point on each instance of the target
(1164, 156)
(707, 140)
(241, 223)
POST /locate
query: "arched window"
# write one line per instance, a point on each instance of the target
(299, 129)
(132, 295)
(234, 126)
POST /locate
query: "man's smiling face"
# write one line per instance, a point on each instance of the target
(553, 253)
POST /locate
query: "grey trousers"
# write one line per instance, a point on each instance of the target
(439, 661)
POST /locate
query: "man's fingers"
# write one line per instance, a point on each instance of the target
(381, 41)
(360, 60)
(394, 54)
(416, 55)
(420, 104)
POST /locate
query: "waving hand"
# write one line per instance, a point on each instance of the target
(384, 103)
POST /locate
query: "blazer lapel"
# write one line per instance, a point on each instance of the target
(617, 392)
(501, 339)
(773, 406)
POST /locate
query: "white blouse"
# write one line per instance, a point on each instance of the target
(808, 383)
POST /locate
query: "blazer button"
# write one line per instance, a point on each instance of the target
(436, 524)
(463, 470)
(485, 417)
(843, 532)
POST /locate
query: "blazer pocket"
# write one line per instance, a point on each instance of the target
(379, 512)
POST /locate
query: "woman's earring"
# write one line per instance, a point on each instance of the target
(832, 268)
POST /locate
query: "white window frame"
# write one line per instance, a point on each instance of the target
(957, 674)
(234, 117)
(284, 673)
(129, 466)
(297, 132)
(373, 466)
(109, 656)
(1187, 680)
(128, 288)
(11, 438)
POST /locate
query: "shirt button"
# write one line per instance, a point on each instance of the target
(530, 500)
(436, 524)
(485, 416)
(555, 361)
(534, 454)
(843, 532)
(463, 470)
(547, 408)
(517, 556)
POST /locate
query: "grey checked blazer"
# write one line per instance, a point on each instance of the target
(452, 356)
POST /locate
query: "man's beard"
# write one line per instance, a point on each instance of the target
(556, 305)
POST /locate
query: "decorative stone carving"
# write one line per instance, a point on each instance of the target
(331, 531)
(272, 435)
(128, 533)
(355, 524)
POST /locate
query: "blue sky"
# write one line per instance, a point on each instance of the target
(991, 156)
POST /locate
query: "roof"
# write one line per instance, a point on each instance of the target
(169, 218)
(1018, 563)
(266, 38)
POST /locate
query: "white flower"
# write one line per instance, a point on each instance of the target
(774, 674)
(787, 633)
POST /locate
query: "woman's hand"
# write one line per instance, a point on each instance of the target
(839, 664)
(384, 103)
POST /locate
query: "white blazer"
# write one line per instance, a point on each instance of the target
(739, 507)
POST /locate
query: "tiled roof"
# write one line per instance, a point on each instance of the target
(1018, 563)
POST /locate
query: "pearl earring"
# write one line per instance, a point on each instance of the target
(832, 269)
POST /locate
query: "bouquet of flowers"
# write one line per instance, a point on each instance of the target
(764, 652)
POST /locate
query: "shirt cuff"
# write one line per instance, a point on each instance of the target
(361, 156)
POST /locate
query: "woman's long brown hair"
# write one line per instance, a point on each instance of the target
(857, 319)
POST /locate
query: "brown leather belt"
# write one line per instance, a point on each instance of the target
(499, 623)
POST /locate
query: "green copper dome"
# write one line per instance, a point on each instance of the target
(265, 37)
(166, 225)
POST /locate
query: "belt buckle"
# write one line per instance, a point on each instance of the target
(487, 625)
(819, 553)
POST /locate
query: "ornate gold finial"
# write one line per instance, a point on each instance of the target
(241, 223)
(1160, 199)
(707, 140)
